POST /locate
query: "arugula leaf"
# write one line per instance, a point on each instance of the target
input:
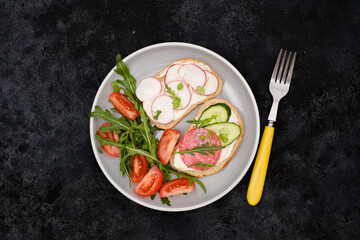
(130, 149)
(129, 81)
(115, 110)
(147, 134)
(201, 123)
(166, 201)
(115, 86)
(124, 164)
(205, 149)
(202, 164)
(157, 114)
(154, 129)
(166, 173)
(153, 196)
(108, 117)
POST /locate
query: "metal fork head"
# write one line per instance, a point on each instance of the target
(281, 79)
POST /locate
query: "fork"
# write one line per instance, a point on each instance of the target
(279, 87)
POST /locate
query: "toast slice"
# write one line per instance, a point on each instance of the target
(161, 76)
(222, 164)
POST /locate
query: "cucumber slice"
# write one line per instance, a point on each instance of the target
(227, 131)
(220, 110)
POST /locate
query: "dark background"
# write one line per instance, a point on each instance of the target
(55, 54)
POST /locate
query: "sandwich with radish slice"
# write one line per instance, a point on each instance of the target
(184, 84)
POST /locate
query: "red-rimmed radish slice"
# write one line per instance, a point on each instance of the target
(184, 93)
(193, 75)
(172, 73)
(148, 88)
(212, 83)
(163, 103)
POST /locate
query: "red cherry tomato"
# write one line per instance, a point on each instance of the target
(176, 186)
(123, 105)
(151, 183)
(110, 150)
(139, 167)
(167, 144)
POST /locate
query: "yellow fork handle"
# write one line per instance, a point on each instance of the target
(257, 180)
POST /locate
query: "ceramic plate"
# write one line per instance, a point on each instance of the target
(147, 62)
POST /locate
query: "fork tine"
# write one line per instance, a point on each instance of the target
(286, 69)
(278, 78)
(273, 76)
(288, 80)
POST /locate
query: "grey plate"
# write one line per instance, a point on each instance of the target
(147, 62)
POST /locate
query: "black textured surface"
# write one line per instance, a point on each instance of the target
(54, 55)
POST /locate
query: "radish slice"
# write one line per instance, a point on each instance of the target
(193, 75)
(164, 104)
(184, 94)
(172, 73)
(212, 83)
(148, 88)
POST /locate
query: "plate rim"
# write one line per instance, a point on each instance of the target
(228, 189)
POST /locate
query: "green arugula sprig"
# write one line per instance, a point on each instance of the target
(202, 164)
(202, 123)
(204, 149)
(116, 123)
(129, 81)
(176, 100)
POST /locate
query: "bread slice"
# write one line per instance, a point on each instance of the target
(161, 75)
(217, 168)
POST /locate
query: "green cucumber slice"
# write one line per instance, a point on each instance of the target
(227, 131)
(220, 110)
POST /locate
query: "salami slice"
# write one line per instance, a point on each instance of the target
(198, 137)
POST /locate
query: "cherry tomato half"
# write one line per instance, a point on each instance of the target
(167, 144)
(151, 183)
(110, 150)
(176, 186)
(139, 167)
(123, 105)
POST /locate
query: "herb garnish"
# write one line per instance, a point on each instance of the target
(204, 149)
(202, 164)
(201, 123)
(224, 137)
(200, 89)
(157, 114)
(180, 86)
(176, 100)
